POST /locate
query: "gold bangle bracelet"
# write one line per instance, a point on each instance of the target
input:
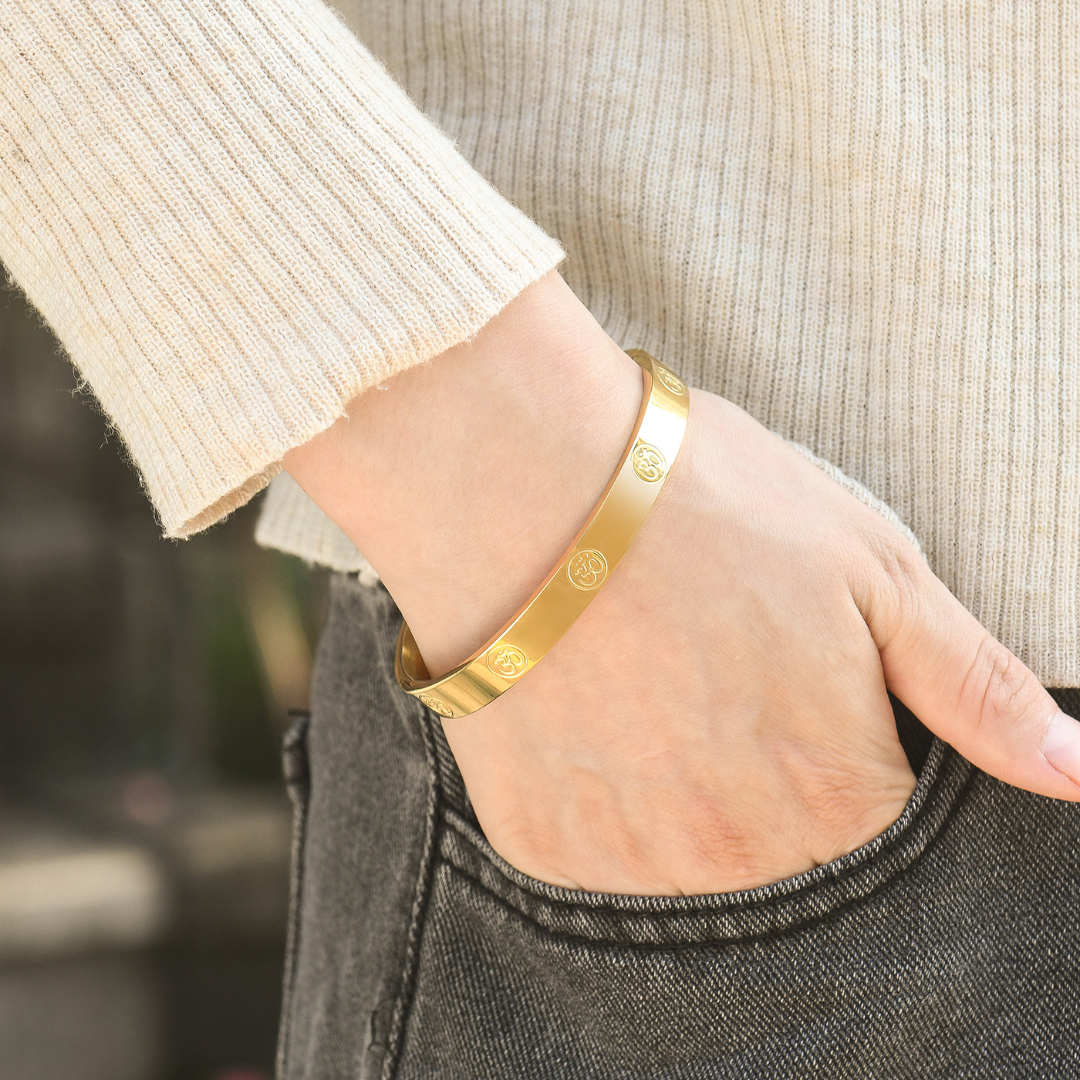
(587, 564)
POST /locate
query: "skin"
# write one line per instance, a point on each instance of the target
(718, 718)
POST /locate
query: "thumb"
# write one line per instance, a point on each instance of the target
(963, 684)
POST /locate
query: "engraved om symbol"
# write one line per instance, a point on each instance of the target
(435, 705)
(648, 462)
(507, 660)
(587, 569)
(670, 380)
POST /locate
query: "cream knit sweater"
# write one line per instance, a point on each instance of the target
(858, 219)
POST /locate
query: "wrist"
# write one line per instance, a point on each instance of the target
(465, 479)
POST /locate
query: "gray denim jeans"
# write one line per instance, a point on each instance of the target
(949, 946)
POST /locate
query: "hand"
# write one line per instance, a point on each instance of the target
(718, 718)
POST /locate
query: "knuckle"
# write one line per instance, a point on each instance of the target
(835, 794)
(853, 806)
(528, 844)
(713, 837)
(998, 691)
(895, 574)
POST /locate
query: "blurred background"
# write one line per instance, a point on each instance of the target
(144, 689)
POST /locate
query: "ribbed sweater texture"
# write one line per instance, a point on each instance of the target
(857, 219)
(235, 221)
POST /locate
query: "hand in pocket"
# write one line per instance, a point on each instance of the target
(718, 719)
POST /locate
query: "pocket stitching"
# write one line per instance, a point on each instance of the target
(704, 943)
(902, 844)
(395, 1040)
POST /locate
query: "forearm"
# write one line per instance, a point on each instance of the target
(462, 481)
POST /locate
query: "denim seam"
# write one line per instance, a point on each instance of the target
(691, 946)
(403, 1005)
(297, 736)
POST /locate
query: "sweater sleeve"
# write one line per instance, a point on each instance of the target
(235, 222)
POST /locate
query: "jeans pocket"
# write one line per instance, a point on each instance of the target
(515, 977)
(949, 946)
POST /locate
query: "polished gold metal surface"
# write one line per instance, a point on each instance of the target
(589, 562)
